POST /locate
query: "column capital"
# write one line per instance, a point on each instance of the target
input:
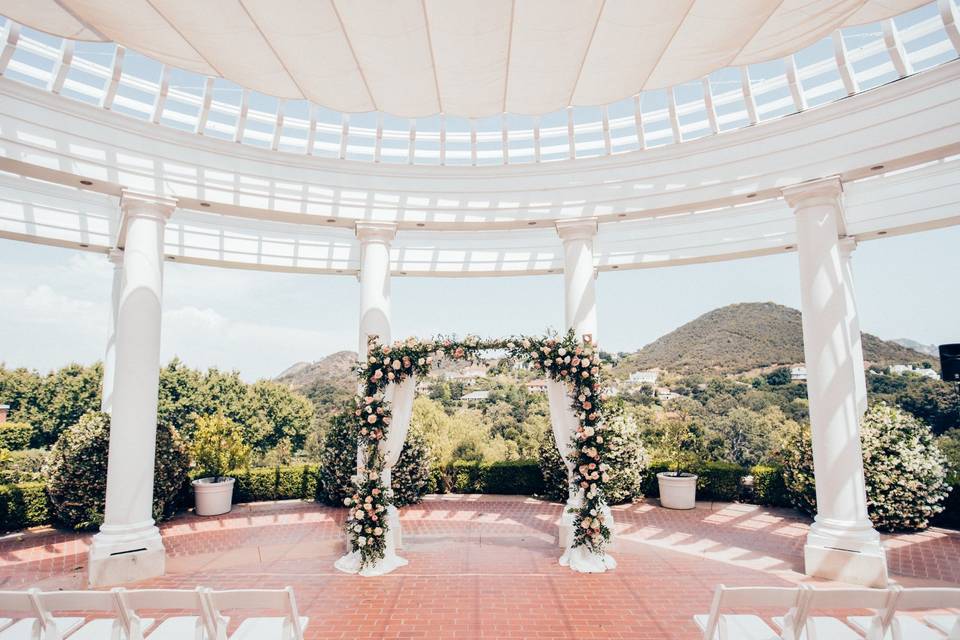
(115, 256)
(576, 228)
(820, 191)
(383, 232)
(135, 203)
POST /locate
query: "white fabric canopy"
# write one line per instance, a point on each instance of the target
(466, 58)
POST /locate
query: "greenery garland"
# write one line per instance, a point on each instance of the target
(565, 359)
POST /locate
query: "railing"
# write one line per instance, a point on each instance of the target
(851, 60)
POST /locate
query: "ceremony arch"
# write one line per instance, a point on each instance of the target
(385, 406)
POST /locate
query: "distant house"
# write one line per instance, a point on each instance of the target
(4, 409)
(468, 375)
(537, 386)
(900, 369)
(644, 377)
(665, 394)
(475, 396)
(798, 373)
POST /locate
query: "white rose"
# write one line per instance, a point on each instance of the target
(358, 528)
(358, 515)
(362, 541)
(396, 364)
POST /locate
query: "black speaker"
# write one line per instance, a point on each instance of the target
(950, 362)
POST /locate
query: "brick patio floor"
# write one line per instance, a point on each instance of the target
(485, 566)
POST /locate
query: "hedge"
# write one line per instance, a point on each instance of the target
(15, 435)
(23, 505)
(275, 483)
(768, 487)
(521, 477)
(715, 480)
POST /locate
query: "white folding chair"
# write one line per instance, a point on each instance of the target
(197, 627)
(724, 626)
(906, 627)
(86, 601)
(289, 626)
(37, 623)
(828, 628)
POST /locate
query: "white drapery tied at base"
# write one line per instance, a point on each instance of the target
(400, 396)
(564, 424)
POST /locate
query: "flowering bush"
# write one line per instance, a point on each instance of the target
(76, 473)
(565, 359)
(905, 471)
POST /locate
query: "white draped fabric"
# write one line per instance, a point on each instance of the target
(564, 425)
(469, 58)
(400, 396)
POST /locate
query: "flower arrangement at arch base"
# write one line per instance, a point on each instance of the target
(565, 359)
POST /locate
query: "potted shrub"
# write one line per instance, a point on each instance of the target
(217, 448)
(678, 489)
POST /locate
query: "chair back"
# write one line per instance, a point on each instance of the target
(281, 600)
(785, 598)
(133, 601)
(50, 602)
(882, 601)
(927, 598)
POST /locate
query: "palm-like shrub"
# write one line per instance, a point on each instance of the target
(218, 446)
(625, 455)
(338, 464)
(905, 471)
(76, 472)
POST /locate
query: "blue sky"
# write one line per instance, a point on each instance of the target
(55, 304)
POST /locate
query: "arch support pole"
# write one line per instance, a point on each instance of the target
(842, 543)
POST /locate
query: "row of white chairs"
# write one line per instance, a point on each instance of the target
(118, 618)
(890, 620)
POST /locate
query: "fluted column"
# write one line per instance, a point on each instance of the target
(842, 543)
(128, 546)
(109, 356)
(375, 239)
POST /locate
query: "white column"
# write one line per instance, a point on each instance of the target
(128, 546)
(846, 246)
(842, 543)
(579, 275)
(375, 239)
(109, 357)
(580, 314)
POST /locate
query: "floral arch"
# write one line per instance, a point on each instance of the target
(387, 384)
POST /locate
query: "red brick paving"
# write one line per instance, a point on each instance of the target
(485, 566)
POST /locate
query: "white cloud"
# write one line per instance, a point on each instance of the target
(205, 338)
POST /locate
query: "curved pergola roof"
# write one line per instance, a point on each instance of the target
(68, 146)
(469, 58)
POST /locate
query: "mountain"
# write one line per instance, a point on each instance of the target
(929, 349)
(743, 337)
(335, 370)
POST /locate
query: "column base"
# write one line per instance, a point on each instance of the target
(845, 553)
(121, 554)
